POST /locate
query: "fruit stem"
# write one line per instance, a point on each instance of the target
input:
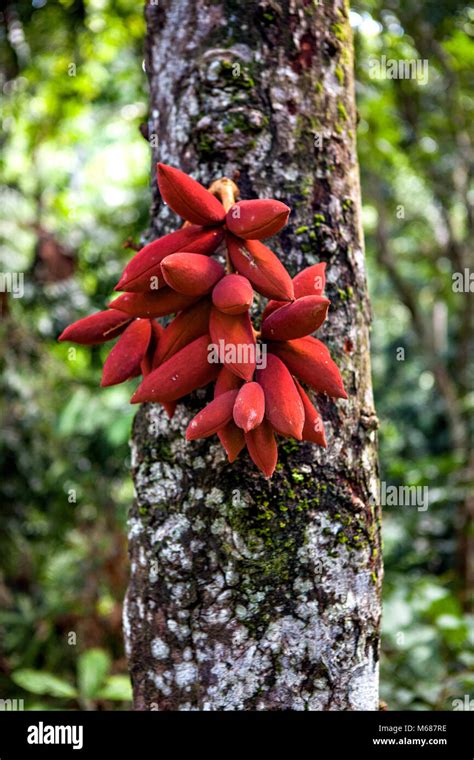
(226, 191)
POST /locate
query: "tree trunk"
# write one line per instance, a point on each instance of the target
(247, 593)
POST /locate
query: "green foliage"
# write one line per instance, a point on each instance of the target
(413, 142)
(92, 669)
(38, 682)
(75, 172)
(94, 682)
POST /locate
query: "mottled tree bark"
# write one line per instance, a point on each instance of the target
(248, 594)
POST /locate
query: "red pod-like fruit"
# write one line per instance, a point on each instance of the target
(191, 273)
(188, 198)
(254, 220)
(283, 406)
(182, 373)
(311, 362)
(156, 332)
(249, 407)
(233, 294)
(262, 447)
(260, 265)
(230, 436)
(234, 342)
(213, 417)
(311, 281)
(271, 307)
(171, 275)
(169, 407)
(97, 328)
(313, 429)
(232, 439)
(226, 381)
(296, 319)
(188, 325)
(143, 272)
(126, 356)
(159, 304)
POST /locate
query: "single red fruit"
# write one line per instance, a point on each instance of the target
(213, 417)
(159, 304)
(249, 407)
(233, 294)
(191, 273)
(182, 373)
(234, 343)
(260, 265)
(296, 319)
(311, 362)
(313, 429)
(147, 363)
(97, 328)
(283, 406)
(188, 198)
(126, 356)
(232, 439)
(311, 281)
(256, 219)
(262, 447)
(230, 436)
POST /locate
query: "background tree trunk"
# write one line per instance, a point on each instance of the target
(246, 593)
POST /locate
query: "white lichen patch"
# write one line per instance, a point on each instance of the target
(135, 527)
(215, 496)
(160, 683)
(127, 628)
(182, 632)
(363, 686)
(153, 572)
(158, 483)
(185, 674)
(159, 649)
(167, 539)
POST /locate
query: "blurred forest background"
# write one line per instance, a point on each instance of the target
(75, 173)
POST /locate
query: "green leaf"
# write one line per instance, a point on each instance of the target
(92, 670)
(117, 688)
(43, 683)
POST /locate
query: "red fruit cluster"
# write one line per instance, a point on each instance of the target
(257, 393)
